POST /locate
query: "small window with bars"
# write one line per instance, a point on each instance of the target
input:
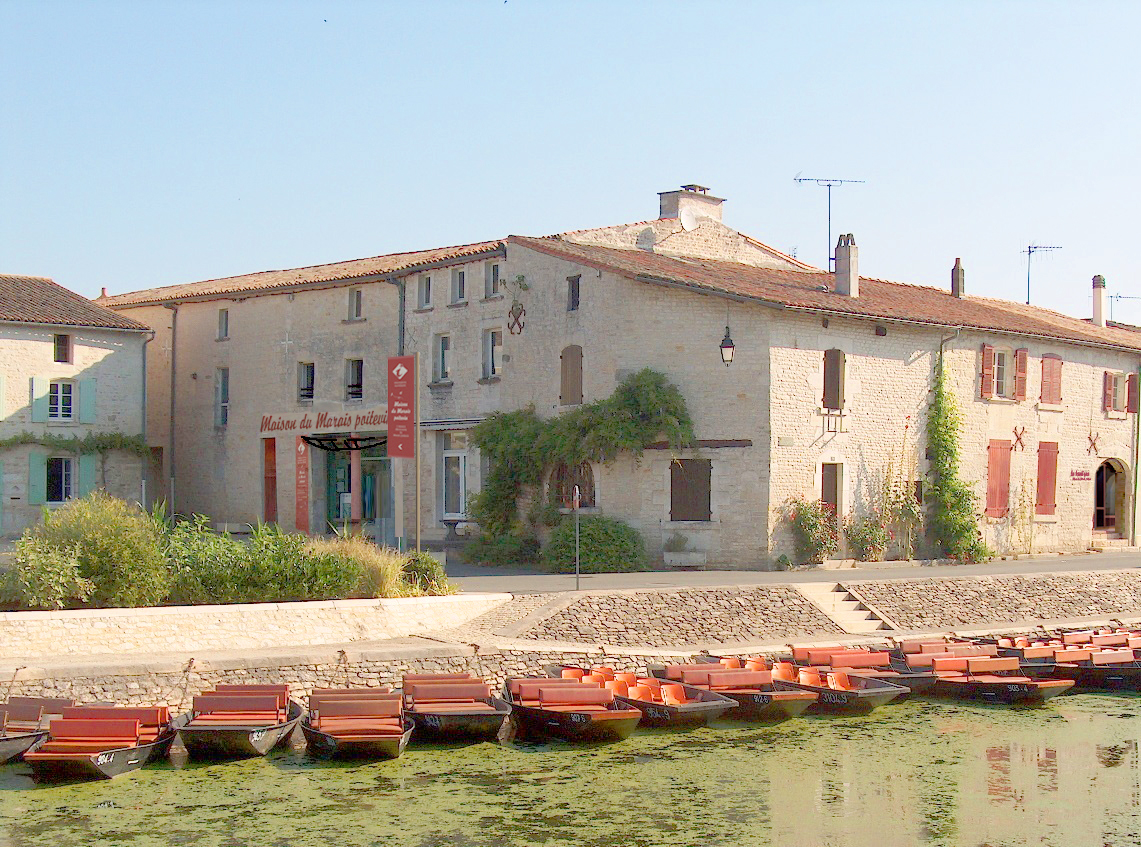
(306, 376)
(62, 348)
(354, 379)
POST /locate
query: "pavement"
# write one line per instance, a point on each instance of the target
(518, 580)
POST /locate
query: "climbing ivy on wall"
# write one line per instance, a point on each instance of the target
(90, 443)
(519, 446)
(953, 506)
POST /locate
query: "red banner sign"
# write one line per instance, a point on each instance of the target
(301, 486)
(402, 407)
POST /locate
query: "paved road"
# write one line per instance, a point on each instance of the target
(528, 581)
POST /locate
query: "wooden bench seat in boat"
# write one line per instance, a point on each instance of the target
(451, 696)
(19, 718)
(861, 660)
(1073, 654)
(579, 698)
(429, 677)
(352, 720)
(237, 710)
(281, 692)
(70, 738)
(1113, 657)
(152, 719)
(50, 705)
(739, 682)
(800, 654)
(355, 692)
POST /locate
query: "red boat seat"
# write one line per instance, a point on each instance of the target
(925, 660)
(644, 692)
(785, 671)
(280, 692)
(1113, 657)
(950, 666)
(1072, 654)
(359, 718)
(603, 671)
(565, 695)
(628, 678)
(22, 717)
(1110, 640)
(421, 693)
(427, 677)
(593, 680)
(861, 660)
(1081, 637)
(362, 691)
(810, 676)
(573, 673)
(1037, 652)
(72, 738)
(50, 705)
(731, 662)
(973, 649)
(674, 695)
(756, 665)
(992, 665)
(932, 647)
(839, 681)
(735, 680)
(800, 654)
(618, 686)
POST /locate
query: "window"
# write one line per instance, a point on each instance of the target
(1047, 477)
(60, 480)
(563, 480)
(306, 377)
(1051, 380)
(455, 492)
(221, 396)
(459, 291)
(442, 369)
(1003, 373)
(573, 287)
(356, 304)
(570, 383)
(689, 489)
(424, 292)
(1120, 392)
(223, 324)
(61, 406)
(998, 478)
(62, 348)
(354, 379)
(834, 363)
(492, 353)
(491, 279)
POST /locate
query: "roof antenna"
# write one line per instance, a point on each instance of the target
(827, 183)
(1030, 250)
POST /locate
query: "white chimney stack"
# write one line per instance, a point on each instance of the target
(1099, 300)
(958, 280)
(847, 266)
(694, 200)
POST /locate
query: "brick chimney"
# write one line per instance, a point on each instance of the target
(958, 280)
(847, 266)
(695, 198)
(1099, 300)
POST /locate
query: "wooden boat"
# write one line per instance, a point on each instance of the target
(22, 728)
(356, 723)
(453, 708)
(1089, 668)
(987, 679)
(758, 697)
(102, 742)
(868, 663)
(672, 705)
(839, 691)
(567, 709)
(238, 721)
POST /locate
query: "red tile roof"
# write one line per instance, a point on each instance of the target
(335, 273)
(814, 291)
(38, 300)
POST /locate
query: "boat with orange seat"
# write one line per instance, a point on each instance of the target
(1094, 661)
(868, 662)
(101, 742)
(454, 707)
(356, 723)
(555, 707)
(838, 690)
(236, 721)
(662, 703)
(757, 695)
(988, 679)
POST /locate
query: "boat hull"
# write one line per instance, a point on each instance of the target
(325, 746)
(1033, 692)
(236, 742)
(572, 726)
(13, 747)
(699, 711)
(106, 765)
(1090, 678)
(873, 694)
(460, 726)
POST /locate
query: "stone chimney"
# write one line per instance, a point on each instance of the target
(1099, 300)
(847, 266)
(694, 198)
(958, 280)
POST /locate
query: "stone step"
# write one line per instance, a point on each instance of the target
(848, 613)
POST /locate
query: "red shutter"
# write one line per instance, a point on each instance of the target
(833, 379)
(998, 478)
(1051, 380)
(1107, 391)
(1021, 357)
(1047, 477)
(986, 381)
(1131, 394)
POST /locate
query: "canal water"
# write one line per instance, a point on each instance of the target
(917, 773)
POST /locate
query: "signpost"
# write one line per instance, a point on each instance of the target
(301, 486)
(404, 418)
(577, 565)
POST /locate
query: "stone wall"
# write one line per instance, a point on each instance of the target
(946, 603)
(189, 629)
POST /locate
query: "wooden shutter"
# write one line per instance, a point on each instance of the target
(1047, 477)
(1106, 391)
(1021, 359)
(1051, 380)
(1131, 394)
(998, 478)
(833, 379)
(86, 401)
(986, 379)
(570, 393)
(269, 480)
(689, 489)
(87, 465)
(37, 478)
(40, 388)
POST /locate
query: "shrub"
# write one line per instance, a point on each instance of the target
(46, 577)
(814, 528)
(424, 573)
(606, 545)
(504, 550)
(206, 566)
(869, 536)
(117, 546)
(380, 568)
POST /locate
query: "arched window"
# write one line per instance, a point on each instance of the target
(570, 385)
(563, 480)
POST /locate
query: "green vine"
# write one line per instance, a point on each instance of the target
(954, 509)
(519, 446)
(91, 443)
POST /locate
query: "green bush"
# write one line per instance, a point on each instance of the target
(869, 536)
(504, 550)
(606, 545)
(117, 546)
(425, 574)
(45, 577)
(814, 528)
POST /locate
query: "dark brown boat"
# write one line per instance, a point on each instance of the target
(673, 705)
(567, 709)
(877, 664)
(987, 679)
(356, 723)
(758, 697)
(238, 722)
(454, 708)
(102, 742)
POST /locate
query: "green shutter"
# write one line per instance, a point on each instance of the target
(87, 473)
(3, 403)
(87, 401)
(40, 386)
(37, 479)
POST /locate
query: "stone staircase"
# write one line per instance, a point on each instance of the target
(846, 611)
(1108, 541)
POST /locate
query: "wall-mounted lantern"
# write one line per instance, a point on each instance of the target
(727, 349)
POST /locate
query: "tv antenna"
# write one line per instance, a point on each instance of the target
(1113, 297)
(1030, 250)
(827, 183)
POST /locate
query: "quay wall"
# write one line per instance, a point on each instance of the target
(188, 629)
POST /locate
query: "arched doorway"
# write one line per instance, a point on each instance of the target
(1110, 490)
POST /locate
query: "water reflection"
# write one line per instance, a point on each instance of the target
(917, 773)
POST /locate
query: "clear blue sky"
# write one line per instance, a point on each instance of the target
(150, 143)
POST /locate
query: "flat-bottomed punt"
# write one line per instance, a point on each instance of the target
(23, 727)
(567, 709)
(987, 679)
(238, 721)
(837, 690)
(672, 705)
(758, 697)
(101, 742)
(453, 707)
(359, 723)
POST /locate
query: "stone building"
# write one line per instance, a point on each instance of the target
(71, 374)
(826, 395)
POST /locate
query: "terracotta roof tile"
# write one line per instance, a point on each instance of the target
(813, 291)
(265, 281)
(39, 300)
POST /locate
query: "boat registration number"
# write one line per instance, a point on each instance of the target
(576, 717)
(762, 699)
(257, 735)
(104, 758)
(1018, 689)
(832, 697)
(431, 720)
(656, 714)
